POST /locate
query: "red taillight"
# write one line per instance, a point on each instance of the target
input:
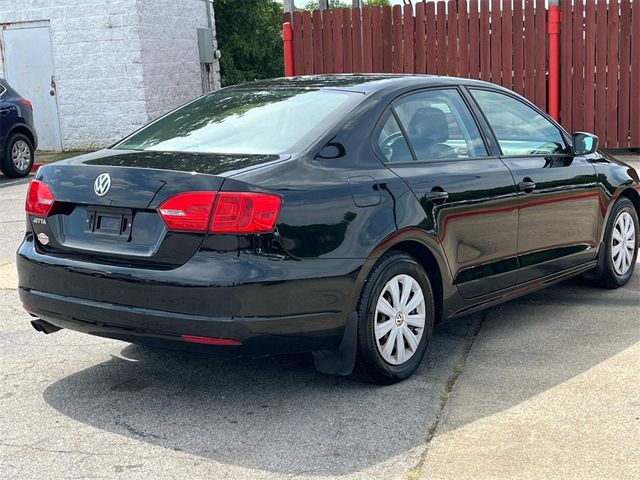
(210, 340)
(245, 212)
(39, 199)
(235, 212)
(26, 103)
(188, 212)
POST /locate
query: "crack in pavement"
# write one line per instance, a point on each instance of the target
(415, 472)
(53, 450)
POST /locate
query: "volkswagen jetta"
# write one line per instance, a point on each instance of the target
(339, 215)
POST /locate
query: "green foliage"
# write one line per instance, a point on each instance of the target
(249, 37)
(314, 5)
(377, 3)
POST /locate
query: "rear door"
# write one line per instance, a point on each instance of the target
(5, 111)
(557, 192)
(431, 140)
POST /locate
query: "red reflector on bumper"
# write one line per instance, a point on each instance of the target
(210, 340)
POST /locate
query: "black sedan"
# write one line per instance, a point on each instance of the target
(339, 215)
(18, 139)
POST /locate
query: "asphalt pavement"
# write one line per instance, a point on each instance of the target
(546, 386)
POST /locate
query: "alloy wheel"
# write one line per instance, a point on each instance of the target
(399, 319)
(21, 155)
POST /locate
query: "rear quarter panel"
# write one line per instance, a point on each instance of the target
(341, 202)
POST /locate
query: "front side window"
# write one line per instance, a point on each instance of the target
(244, 121)
(439, 125)
(519, 129)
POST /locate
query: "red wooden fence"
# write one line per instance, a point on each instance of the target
(499, 41)
(600, 70)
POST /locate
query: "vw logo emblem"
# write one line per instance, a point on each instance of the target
(102, 184)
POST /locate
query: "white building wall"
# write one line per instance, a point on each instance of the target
(118, 63)
(170, 58)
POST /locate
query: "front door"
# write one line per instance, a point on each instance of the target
(28, 65)
(470, 194)
(557, 192)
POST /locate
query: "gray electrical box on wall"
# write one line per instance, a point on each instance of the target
(205, 45)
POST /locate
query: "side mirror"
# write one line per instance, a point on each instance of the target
(584, 143)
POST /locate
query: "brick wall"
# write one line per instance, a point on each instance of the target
(118, 63)
(170, 60)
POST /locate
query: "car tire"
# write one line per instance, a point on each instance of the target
(392, 343)
(18, 156)
(621, 238)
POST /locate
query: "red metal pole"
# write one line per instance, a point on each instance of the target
(553, 31)
(287, 38)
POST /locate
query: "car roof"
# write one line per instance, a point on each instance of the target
(362, 83)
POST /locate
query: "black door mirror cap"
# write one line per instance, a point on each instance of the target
(584, 143)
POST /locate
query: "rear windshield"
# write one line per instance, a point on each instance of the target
(244, 121)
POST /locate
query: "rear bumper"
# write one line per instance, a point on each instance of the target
(267, 335)
(291, 308)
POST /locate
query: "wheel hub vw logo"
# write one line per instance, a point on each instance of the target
(102, 184)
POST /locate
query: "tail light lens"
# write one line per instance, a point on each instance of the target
(245, 213)
(26, 103)
(187, 212)
(234, 212)
(39, 199)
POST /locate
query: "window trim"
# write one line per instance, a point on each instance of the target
(416, 161)
(563, 134)
(392, 109)
(377, 129)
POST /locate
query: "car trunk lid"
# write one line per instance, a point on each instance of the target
(106, 204)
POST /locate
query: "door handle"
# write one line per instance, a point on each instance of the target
(527, 185)
(437, 195)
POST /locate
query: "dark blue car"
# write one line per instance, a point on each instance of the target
(18, 139)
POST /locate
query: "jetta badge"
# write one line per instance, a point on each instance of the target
(102, 184)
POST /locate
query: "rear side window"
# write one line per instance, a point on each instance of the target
(245, 121)
(392, 143)
(439, 125)
(519, 129)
